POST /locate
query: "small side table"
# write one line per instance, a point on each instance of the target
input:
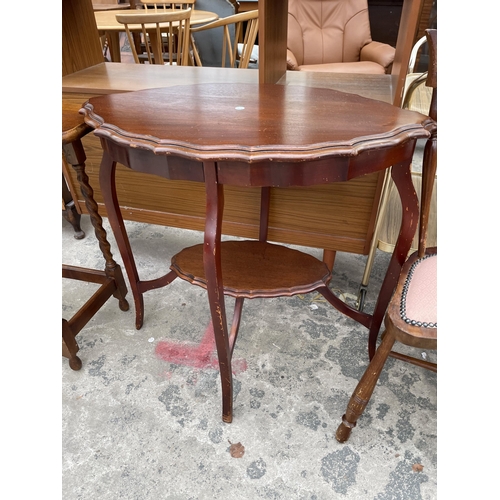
(254, 136)
(111, 278)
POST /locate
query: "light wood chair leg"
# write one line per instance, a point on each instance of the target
(364, 390)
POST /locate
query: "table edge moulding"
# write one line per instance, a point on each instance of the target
(267, 136)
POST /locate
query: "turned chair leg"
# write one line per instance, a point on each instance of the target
(70, 212)
(363, 392)
(68, 336)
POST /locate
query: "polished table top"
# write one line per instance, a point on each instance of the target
(109, 6)
(106, 19)
(108, 78)
(255, 122)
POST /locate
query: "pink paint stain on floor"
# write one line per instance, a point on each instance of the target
(202, 356)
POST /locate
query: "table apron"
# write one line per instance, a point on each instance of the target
(272, 173)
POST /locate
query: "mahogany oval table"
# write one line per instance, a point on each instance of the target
(258, 136)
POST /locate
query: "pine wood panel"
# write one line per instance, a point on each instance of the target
(81, 47)
(337, 216)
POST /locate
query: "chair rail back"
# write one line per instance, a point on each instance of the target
(174, 24)
(185, 4)
(245, 38)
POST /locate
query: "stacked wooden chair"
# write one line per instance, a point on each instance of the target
(411, 318)
(165, 36)
(239, 33)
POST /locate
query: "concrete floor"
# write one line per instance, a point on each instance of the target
(142, 418)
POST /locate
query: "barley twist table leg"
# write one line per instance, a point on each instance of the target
(75, 156)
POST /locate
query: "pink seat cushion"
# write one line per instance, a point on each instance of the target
(419, 298)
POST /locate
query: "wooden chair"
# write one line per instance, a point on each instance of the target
(156, 6)
(236, 47)
(416, 97)
(111, 280)
(166, 34)
(411, 317)
(150, 4)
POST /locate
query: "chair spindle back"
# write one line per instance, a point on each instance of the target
(174, 24)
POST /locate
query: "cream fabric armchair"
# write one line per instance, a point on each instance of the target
(334, 36)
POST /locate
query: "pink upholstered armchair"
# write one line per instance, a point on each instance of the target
(334, 36)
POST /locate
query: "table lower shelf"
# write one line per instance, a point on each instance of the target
(253, 269)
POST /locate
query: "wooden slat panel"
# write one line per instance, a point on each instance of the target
(336, 216)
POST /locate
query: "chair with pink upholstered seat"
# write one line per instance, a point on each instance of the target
(411, 317)
(334, 36)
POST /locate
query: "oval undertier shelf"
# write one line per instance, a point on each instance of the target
(253, 269)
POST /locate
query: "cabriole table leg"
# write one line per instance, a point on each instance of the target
(213, 271)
